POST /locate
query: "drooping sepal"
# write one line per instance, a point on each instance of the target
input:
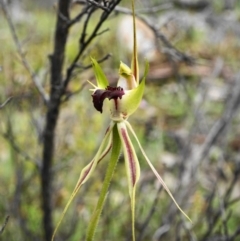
(155, 171)
(131, 160)
(132, 167)
(86, 172)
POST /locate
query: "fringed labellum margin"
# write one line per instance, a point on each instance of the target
(110, 92)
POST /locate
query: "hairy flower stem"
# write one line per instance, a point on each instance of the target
(116, 148)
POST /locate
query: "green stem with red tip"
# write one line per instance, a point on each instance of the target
(135, 67)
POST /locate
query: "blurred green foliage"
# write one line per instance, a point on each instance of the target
(168, 108)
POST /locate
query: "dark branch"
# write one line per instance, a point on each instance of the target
(84, 42)
(58, 90)
(57, 61)
(99, 5)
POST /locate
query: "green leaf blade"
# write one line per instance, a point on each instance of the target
(116, 148)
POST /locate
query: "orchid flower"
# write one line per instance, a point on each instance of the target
(122, 102)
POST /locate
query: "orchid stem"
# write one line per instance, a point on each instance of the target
(116, 148)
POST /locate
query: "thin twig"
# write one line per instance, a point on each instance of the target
(102, 32)
(175, 54)
(233, 201)
(224, 205)
(218, 128)
(151, 10)
(236, 233)
(84, 42)
(5, 102)
(70, 94)
(8, 136)
(145, 224)
(85, 25)
(213, 134)
(189, 172)
(92, 2)
(197, 109)
(20, 51)
(107, 56)
(99, 5)
(4, 225)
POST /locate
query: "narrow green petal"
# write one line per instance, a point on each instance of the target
(88, 170)
(132, 167)
(155, 171)
(132, 98)
(116, 148)
(101, 78)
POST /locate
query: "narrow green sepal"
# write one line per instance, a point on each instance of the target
(101, 78)
(155, 171)
(146, 70)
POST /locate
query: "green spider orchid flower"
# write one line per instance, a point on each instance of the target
(122, 101)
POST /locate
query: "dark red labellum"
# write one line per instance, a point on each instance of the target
(110, 92)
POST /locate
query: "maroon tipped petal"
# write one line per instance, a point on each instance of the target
(110, 92)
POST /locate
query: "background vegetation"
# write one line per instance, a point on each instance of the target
(188, 123)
